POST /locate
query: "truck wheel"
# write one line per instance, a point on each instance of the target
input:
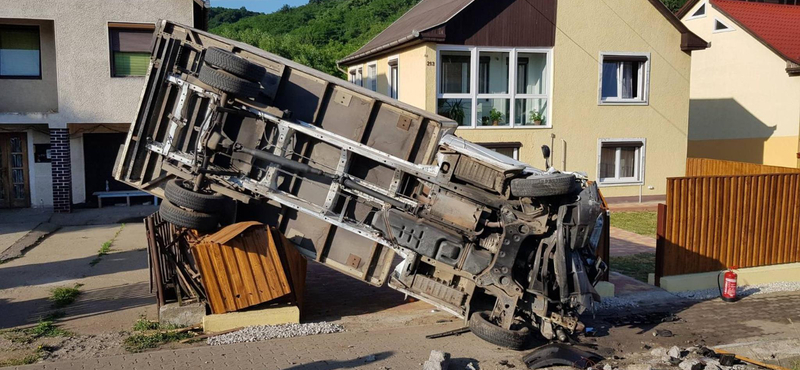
(234, 64)
(188, 219)
(180, 195)
(544, 185)
(228, 83)
(514, 339)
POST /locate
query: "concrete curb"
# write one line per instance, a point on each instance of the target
(30, 240)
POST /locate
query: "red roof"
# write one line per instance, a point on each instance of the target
(777, 26)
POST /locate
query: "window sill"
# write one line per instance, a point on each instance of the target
(613, 183)
(624, 102)
(504, 127)
(128, 76)
(20, 77)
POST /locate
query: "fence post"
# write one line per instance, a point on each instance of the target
(661, 229)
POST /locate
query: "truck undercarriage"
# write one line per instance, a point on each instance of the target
(354, 178)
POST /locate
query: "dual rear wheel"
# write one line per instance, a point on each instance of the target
(187, 208)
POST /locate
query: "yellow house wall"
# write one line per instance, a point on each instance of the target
(577, 118)
(415, 87)
(614, 26)
(744, 106)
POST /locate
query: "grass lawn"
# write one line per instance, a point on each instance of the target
(642, 223)
(636, 266)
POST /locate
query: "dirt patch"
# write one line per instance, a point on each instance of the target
(88, 346)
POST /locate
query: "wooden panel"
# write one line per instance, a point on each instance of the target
(716, 167)
(711, 223)
(512, 23)
(240, 267)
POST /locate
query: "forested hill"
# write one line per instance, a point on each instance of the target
(319, 33)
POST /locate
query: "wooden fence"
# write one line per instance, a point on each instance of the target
(716, 167)
(712, 223)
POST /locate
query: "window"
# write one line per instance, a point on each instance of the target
(20, 55)
(510, 150)
(130, 49)
(699, 13)
(621, 161)
(394, 78)
(719, 26)
(624, 78)
(478, 87)
(372, 76)
(359, 79)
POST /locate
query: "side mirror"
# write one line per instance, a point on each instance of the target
(546, 151)
(546, 155)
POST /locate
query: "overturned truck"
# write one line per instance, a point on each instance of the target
(357, 181)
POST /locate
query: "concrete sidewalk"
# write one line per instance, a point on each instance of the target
(21, 229)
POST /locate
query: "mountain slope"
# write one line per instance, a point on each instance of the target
(319, 33)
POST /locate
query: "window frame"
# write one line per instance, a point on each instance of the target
(644, 81)
(514, 146)
(714, 26)
(639, 169)
(512, 96)
(137, 26)
(393, 87)
(374, 80)
(694, 15)
(39, 32)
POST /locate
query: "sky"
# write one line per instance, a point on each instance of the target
(264, 6)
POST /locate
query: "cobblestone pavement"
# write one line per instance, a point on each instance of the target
(626, 243)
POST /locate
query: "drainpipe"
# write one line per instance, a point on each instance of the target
(563, 155)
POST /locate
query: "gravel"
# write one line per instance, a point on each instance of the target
(261, 333)
(742, 291)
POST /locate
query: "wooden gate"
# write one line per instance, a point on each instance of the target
(711, 223)
(14, 185)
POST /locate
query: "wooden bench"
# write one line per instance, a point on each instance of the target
(127, 194)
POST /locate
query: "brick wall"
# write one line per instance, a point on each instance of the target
(62, 170)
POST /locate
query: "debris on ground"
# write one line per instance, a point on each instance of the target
(266, 332)
(438, 360)
(663, 333)
(560, 354)
(448, 333)
(643, 319)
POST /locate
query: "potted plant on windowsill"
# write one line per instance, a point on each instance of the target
(536, 117)
(454, 110)
(495, 117)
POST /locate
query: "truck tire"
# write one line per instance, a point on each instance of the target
(234, 64)
(188, 219)
(179, 195)
(514, 339)
(228, 83)
(544, 185)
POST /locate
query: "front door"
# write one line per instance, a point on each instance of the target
(14, 186)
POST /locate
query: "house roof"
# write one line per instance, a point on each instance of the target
(427, 14)
(430, 14)
(776, 26)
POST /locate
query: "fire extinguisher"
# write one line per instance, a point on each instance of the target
(728, 289)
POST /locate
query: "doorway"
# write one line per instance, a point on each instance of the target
(100, 153)
(14, 185)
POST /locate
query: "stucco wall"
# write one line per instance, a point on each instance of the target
(744, 106)
(585, 29)
(86, 91)
(41, 180)
(33, 95)
(414, 87)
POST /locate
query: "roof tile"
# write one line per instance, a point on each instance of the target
(776, 25)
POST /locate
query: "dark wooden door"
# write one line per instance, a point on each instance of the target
(14, 185)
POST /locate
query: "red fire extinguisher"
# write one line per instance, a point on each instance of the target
(728, 288)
